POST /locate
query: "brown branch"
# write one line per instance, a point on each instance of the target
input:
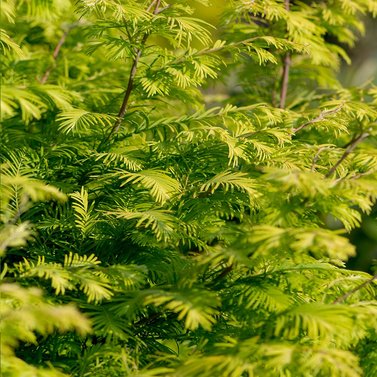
(285, 80)
(359, 175)
(226, 271)
(55, 57)
(351, 292)
(351, 146)
(208, 51)
(285, 77)
(131, 79)
(319, 118)
(56, 52)
(316, 157)
(163, 9)
(147, 321)
(248, 134)
(151, 5)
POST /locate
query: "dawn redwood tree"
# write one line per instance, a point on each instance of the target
(166, 198)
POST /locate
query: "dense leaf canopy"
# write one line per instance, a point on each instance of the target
(166, 199)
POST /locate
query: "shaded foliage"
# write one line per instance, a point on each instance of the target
(174, 233)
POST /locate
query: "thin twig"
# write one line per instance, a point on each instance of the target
(319, 118)
(56, 52)
(208, 51)
(151, 5)
(351, 292)
(285, 78)
(316, 157)
(226, 271)
(359, 175)
(124, 107)
(163, 9)
(55, 56)
(131, 80)
(147, 320)
(248, 134)
(352, 145)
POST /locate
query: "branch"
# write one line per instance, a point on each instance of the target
(320, 117)
(147, 320)
(124, 107)
(351, 292)
(56, 52)
(55, 56)
(359, 175)
(226, 271)
(285, 78)
(352, 145)
(248, 134)
(151, 5)
(163, 9)
(207, 51)
(316, 157)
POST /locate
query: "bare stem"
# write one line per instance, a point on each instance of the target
(320, 117)
(351, 292)
(208, 51)
(316, 157)
(359, 175)
(151, 5)
(351, 146)
(131, 79)
(285, 77)
(56, 52)
(285, 80)
(226, 271)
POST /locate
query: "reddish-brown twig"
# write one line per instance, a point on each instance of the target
(124, 107)
(319, 118)
(351, 146)
(285, 77)
(352, 291)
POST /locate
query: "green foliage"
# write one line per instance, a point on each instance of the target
(172, 196)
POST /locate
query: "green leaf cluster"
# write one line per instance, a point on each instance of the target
(167, 199)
